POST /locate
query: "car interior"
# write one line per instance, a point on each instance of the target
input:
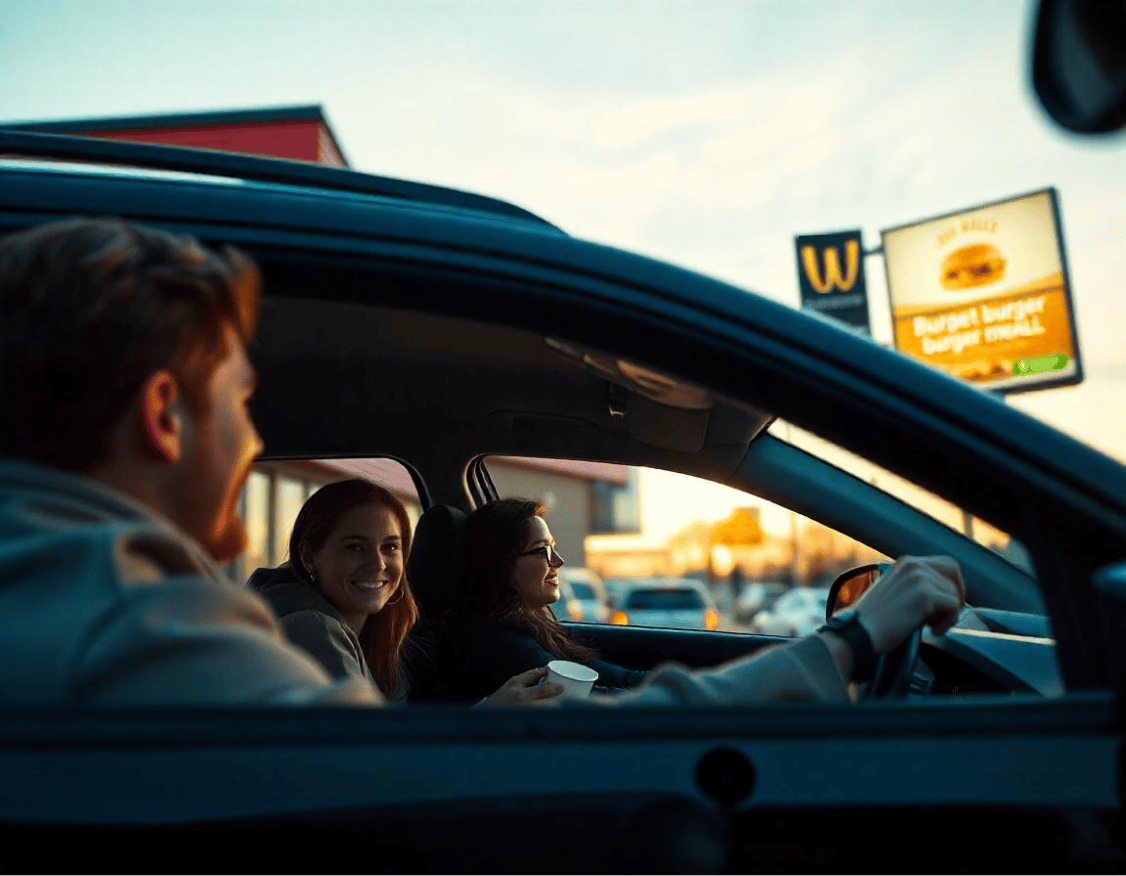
(440, 393)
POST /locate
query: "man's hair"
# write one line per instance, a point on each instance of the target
(89, 310)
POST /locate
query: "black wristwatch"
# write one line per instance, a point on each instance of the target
(847, 625)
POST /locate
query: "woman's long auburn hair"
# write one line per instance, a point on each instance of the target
(494, 534)
(384, 634)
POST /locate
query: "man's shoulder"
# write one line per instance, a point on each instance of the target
(55, 522)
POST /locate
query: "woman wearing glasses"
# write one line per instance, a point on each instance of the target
(506, 624)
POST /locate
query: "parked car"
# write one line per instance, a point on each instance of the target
(585, 595)
(616, 588)
(476, 327)
(675, 603)
(755, 596)
(797, 612)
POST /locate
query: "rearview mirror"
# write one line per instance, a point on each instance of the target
(1079, 63)
(849, 586)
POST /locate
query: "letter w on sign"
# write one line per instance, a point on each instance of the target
(831, 277)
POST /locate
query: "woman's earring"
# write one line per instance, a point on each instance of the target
(312, 575)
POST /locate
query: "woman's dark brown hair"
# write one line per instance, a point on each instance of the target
(494, 534)
(89, 310)
(384, 633)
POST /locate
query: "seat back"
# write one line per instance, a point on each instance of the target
(434, 570)
(434, 566)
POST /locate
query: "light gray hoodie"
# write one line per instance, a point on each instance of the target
(104, 603)
(312, 623)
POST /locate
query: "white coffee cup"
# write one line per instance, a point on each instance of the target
(577, 680)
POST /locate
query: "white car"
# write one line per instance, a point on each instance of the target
(583, 595)
(797, 612)
(680, 603)
(754, 597)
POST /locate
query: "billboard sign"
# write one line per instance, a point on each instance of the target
(984, 294)
(831, 277)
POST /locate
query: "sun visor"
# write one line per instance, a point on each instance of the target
(667, 427)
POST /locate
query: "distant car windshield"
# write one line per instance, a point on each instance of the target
(672, 599)
(583, 591)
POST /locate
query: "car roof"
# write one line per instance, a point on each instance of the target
(110, 156)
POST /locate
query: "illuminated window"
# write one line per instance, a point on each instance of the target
(290, 497)
(256, 513)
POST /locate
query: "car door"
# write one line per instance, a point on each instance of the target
(975, 781)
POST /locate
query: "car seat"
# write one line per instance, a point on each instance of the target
(434, 571)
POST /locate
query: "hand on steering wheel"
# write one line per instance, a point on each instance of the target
(913, 593)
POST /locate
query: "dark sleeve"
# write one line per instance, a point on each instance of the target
(613, 678)
(480, 657)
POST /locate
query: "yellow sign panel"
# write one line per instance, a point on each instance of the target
(984, 295)
(740, 528)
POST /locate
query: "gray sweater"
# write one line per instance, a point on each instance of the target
(312, 622)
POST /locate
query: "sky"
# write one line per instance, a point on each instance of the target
(707, 133)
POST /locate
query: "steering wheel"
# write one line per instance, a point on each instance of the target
(895, 670)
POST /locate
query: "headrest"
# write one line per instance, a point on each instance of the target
(434, 566)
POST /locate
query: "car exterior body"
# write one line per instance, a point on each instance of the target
(1012, 761)
(586, 598)
(755, 596)
(676, 603)
(797, 612)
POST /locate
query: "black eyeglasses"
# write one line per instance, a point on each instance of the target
(548, 552)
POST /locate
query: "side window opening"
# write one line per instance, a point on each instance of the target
(672, 550)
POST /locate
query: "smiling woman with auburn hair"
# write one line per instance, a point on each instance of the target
(343, 594)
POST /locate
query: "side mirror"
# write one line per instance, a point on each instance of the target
(849, 586)
(1079, 63)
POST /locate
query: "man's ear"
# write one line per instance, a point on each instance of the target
(162, 416)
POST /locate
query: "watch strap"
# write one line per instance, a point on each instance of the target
(847, 626)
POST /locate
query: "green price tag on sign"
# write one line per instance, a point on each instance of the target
(1040, 364)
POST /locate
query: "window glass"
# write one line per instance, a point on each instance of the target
(924, 500)
(744, 551)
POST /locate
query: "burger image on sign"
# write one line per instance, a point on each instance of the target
(977, 265)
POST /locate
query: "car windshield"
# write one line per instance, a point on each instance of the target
(583, 591)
